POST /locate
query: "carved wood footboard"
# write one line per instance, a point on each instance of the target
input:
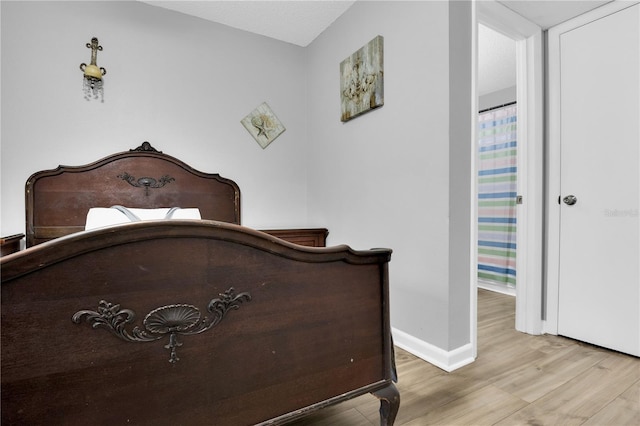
(194, 323)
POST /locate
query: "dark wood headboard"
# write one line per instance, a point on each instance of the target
(57, 201)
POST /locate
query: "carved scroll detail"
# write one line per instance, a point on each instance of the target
(146, 147)
(146, 182)
(170, 319)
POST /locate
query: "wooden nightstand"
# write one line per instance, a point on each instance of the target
(313, 237)
(10, 244)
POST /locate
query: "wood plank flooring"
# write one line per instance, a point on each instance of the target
(518, 379)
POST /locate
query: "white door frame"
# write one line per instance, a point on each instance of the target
(530, 233)
(550, 325)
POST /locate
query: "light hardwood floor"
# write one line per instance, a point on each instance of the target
(517, 379)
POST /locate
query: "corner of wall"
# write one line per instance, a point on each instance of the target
(461, 195)
(445, 360)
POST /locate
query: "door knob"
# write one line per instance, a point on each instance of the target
(570, 200)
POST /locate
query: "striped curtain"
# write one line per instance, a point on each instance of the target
(497, 191)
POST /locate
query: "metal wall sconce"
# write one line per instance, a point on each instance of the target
(92, 85)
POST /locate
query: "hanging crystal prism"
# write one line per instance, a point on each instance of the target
(93, 89)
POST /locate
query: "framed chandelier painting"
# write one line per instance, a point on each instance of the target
(361, 80)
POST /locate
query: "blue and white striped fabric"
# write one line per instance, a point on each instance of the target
(497, 192)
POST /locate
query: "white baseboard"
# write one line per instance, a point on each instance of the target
(446, 360)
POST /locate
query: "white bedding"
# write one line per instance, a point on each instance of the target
(99, 217)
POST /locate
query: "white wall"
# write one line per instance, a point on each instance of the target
(499, 97)
(384, 178)
(179, 82)
(396, 177)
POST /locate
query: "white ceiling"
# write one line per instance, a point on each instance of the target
(294, 21)
(547, 13)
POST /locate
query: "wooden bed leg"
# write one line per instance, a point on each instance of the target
(389, 404)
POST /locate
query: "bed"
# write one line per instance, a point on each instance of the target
(182, 321)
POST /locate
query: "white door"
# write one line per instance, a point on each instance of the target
(599, 264)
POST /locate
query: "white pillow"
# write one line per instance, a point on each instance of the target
(105, 216)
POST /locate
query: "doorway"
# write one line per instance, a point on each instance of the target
(530, 188)
(497, 157)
